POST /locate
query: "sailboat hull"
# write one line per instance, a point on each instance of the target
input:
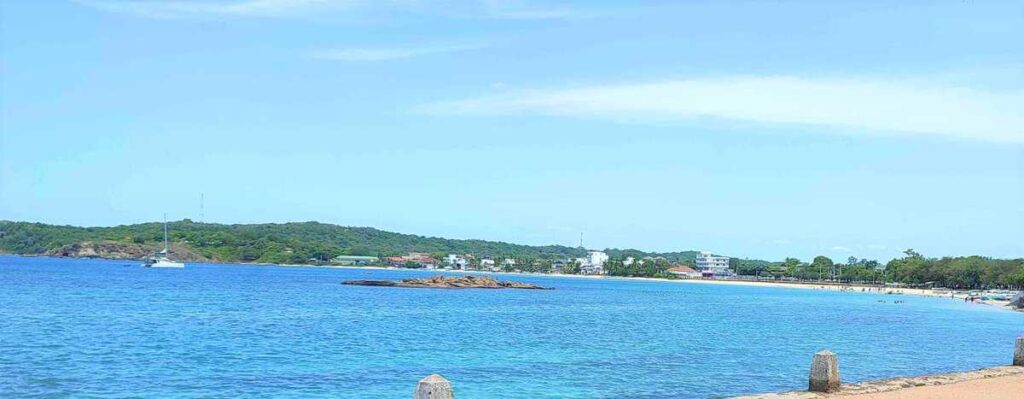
(166, 264)
(161, 261)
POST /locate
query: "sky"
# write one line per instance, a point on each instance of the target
(755, 129)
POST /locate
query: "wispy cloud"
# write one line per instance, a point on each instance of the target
(222, 8)
(840, 248)
(853, 106)
(365, 54)
(486, 9)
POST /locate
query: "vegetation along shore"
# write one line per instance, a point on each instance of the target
(320, 244)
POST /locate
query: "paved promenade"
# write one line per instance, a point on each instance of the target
(1006, 382)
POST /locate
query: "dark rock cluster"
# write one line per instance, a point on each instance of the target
(448, 282)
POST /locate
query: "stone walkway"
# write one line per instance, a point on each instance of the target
(992, 383)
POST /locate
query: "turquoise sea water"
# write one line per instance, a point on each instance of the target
(95, 328)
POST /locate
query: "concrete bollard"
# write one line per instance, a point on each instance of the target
(434, 387)
(1018, 352)
(824, 372)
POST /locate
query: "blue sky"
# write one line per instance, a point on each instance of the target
(759, 129)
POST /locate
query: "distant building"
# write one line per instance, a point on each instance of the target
(593, 264)
(456, 261)
(419, 258)
(488, 264)
(347, 260)
(684, 272)
(559, 265)
(628, 261)
(415, 256)
(711, 265)
(591, 270)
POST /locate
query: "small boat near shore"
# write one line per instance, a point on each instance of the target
(163, 262)
(160, 259)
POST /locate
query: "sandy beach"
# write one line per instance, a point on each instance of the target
(851, 288)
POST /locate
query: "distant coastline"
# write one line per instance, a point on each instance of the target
(322, 244)
(817, 286)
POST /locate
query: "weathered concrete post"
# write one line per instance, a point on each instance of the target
(824, 372)
(434, 387)
(1018, 352)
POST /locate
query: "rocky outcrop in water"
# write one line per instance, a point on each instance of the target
(448, 282)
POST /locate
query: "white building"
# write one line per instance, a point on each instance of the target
(684, 272)
(354, 260)
(589, 269)
(593, 263)
(508, 263)
(488, 264)
(456, 261)
(710, 265)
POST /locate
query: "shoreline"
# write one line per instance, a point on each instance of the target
(995, 382)
(818, 286)
(851, 288)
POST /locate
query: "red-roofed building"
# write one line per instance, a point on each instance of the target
(684, 272)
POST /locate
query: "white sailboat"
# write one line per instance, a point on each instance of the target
(160, 260)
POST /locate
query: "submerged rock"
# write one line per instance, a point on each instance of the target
(447, 282)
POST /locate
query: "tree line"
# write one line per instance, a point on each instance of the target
(313, 242)
(962, 272)
(293, 243)
(265, 243)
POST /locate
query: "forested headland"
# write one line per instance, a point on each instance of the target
(315, 243)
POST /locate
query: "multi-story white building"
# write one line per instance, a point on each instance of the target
(710, 265)
(593, 263)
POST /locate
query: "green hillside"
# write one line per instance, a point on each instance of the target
(269, 243)
(298, 243)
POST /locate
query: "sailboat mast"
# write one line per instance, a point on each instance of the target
(165, 233)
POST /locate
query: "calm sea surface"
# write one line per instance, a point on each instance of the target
(94, 328)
